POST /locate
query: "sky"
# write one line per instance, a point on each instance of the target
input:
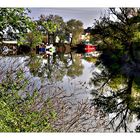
(86, 15)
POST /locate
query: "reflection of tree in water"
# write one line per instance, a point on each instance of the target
(76, 69)
(49, 67)
(35, 106)
(118, 84)
(57, 66)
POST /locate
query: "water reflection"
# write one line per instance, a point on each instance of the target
(115, 94)
(117, 91)
(57, 66)
(66, 71)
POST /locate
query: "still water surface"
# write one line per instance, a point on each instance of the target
(72, 73)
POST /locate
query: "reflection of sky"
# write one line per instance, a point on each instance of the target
(86, 15)
(79, 85)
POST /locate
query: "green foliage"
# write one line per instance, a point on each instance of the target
(121, 32)
(136, 37)
(14, 21)
(76, 28)
(23, 111)
(117, 82)
(32, 38)
(50, 26)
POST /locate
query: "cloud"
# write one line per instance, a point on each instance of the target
(86, 15)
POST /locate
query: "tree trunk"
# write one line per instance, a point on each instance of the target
(130, 84)
(131, 52)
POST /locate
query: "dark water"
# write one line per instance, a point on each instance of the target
(72, 73)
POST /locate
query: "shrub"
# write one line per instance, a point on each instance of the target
(21, 111)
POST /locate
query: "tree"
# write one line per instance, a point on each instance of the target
(76, 28)
(53, 25)
(32, 38)
(119, 64)
(14, 22)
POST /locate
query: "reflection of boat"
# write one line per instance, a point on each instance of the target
(92, 54)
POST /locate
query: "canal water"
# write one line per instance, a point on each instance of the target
(72, 73)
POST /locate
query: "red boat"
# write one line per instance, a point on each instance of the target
(89, 48)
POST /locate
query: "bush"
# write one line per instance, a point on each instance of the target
(21, 111)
